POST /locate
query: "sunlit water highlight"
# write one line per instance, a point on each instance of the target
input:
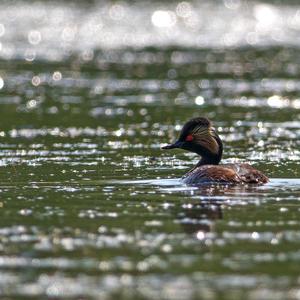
(54, 30)
(204, 218)
(90, 206)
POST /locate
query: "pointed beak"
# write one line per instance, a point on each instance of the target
(177, 144)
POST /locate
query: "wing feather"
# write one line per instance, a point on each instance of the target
(231, 173)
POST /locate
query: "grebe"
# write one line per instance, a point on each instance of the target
(198, 136)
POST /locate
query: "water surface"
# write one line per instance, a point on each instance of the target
(90, 206)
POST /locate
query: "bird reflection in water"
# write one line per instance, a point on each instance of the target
(199, 218)
(199, 215)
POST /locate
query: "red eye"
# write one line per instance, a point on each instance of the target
(189, 138)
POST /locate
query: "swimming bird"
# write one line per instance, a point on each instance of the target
(199, 136)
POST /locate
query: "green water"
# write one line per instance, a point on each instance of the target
(92, 208)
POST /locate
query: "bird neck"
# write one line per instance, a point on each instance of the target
(208, 158)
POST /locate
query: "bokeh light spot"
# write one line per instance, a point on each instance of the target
(1, 83)
(163, 18)
(34, 37)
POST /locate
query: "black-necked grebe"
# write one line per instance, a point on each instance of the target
(198, 136)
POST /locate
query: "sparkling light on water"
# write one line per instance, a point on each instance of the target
(162, 18)
(1, 83)
(214, 24)
(90, 206)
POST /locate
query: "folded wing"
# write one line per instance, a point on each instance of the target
(229, 173)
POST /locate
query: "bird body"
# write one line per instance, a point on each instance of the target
(225, 173)
(198, 136)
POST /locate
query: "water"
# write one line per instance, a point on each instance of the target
(90, 206)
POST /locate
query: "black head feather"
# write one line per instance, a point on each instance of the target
(198, 136)
(193, 124)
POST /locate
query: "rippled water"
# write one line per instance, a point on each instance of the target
(90, 207)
